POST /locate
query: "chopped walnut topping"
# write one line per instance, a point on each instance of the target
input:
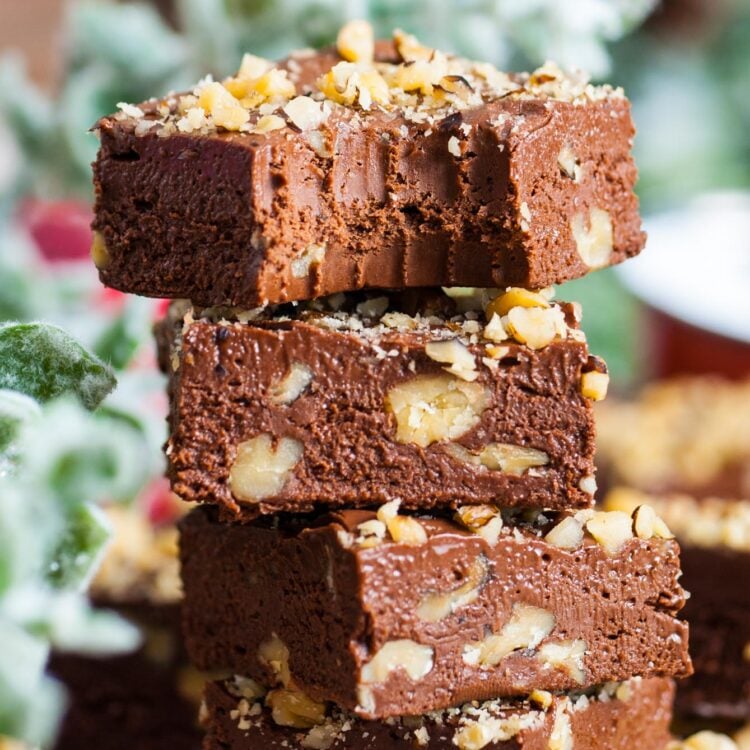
(515, 297)
(705, 740)
(484, 520)
(403, 529)
(648, 525)
(611, 529)
(305, 113)
(356, 42)
(568, 534)
(461, 361)
(536, 327)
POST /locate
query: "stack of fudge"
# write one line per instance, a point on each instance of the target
(383, 412)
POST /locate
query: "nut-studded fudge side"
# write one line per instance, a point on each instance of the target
(341, 409)
(620, 716)
(297, 189)
(421, 613)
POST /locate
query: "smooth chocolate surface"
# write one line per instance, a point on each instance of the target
(385, 628)
(352, 443)
(485, 196)
(633, 715)
(719, 615)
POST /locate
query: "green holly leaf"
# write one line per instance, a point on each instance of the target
(121, 339)
(45, 362)
(15, 411)
(80, 549)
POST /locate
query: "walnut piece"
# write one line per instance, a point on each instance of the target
(429, 408)
(594, 385)
(306, 114)
(411, 657)
(568, 534)
(403, 529)
(569, 163)
(274, 654)
(484, 520)
(289, 388)
(292, 708)
(565, 655)
(561, 737)
(260, 469)
(536, 327)
(510, 459)
(311, 256)
(611, 529)
(648, 525)
(515, 297)
(527, 628)
(356, 42)
(595, 243)
(99, 251)
(435, 607)
(705, 740)
(461, 361)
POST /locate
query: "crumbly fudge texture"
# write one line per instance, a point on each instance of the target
(391, 614)
(628, 715)
(688, 435)
(715, 539)
(413, 172)
(359, 408)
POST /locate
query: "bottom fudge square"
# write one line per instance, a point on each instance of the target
(388, 614)
(632, 715)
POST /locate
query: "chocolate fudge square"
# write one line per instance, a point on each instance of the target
(285, 411)
(388, 614)
(320, 175)
(619, 716)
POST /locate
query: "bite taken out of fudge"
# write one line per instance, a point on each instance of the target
(387, 165)
(388, 614)
(238, 715)
(346, 403)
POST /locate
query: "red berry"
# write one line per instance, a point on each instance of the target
(60, 229)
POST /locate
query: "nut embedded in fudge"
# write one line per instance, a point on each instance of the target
(365, 403)
(322, 175)
(388, 614)
(714, 535)
(619, 716)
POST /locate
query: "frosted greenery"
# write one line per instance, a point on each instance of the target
(44, 362)
(57, 461)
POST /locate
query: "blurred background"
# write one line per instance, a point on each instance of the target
(681, 309)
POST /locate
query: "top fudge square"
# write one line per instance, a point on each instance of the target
(367, 165)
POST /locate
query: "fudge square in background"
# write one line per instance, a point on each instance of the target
(393, 614)
(714, 536)
(632, 715)
(418, 169)
(364, 403)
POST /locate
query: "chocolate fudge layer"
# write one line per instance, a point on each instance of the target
(633, 714)
(392, 614)
(357, 408)
(715, 539)
(417, 169)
